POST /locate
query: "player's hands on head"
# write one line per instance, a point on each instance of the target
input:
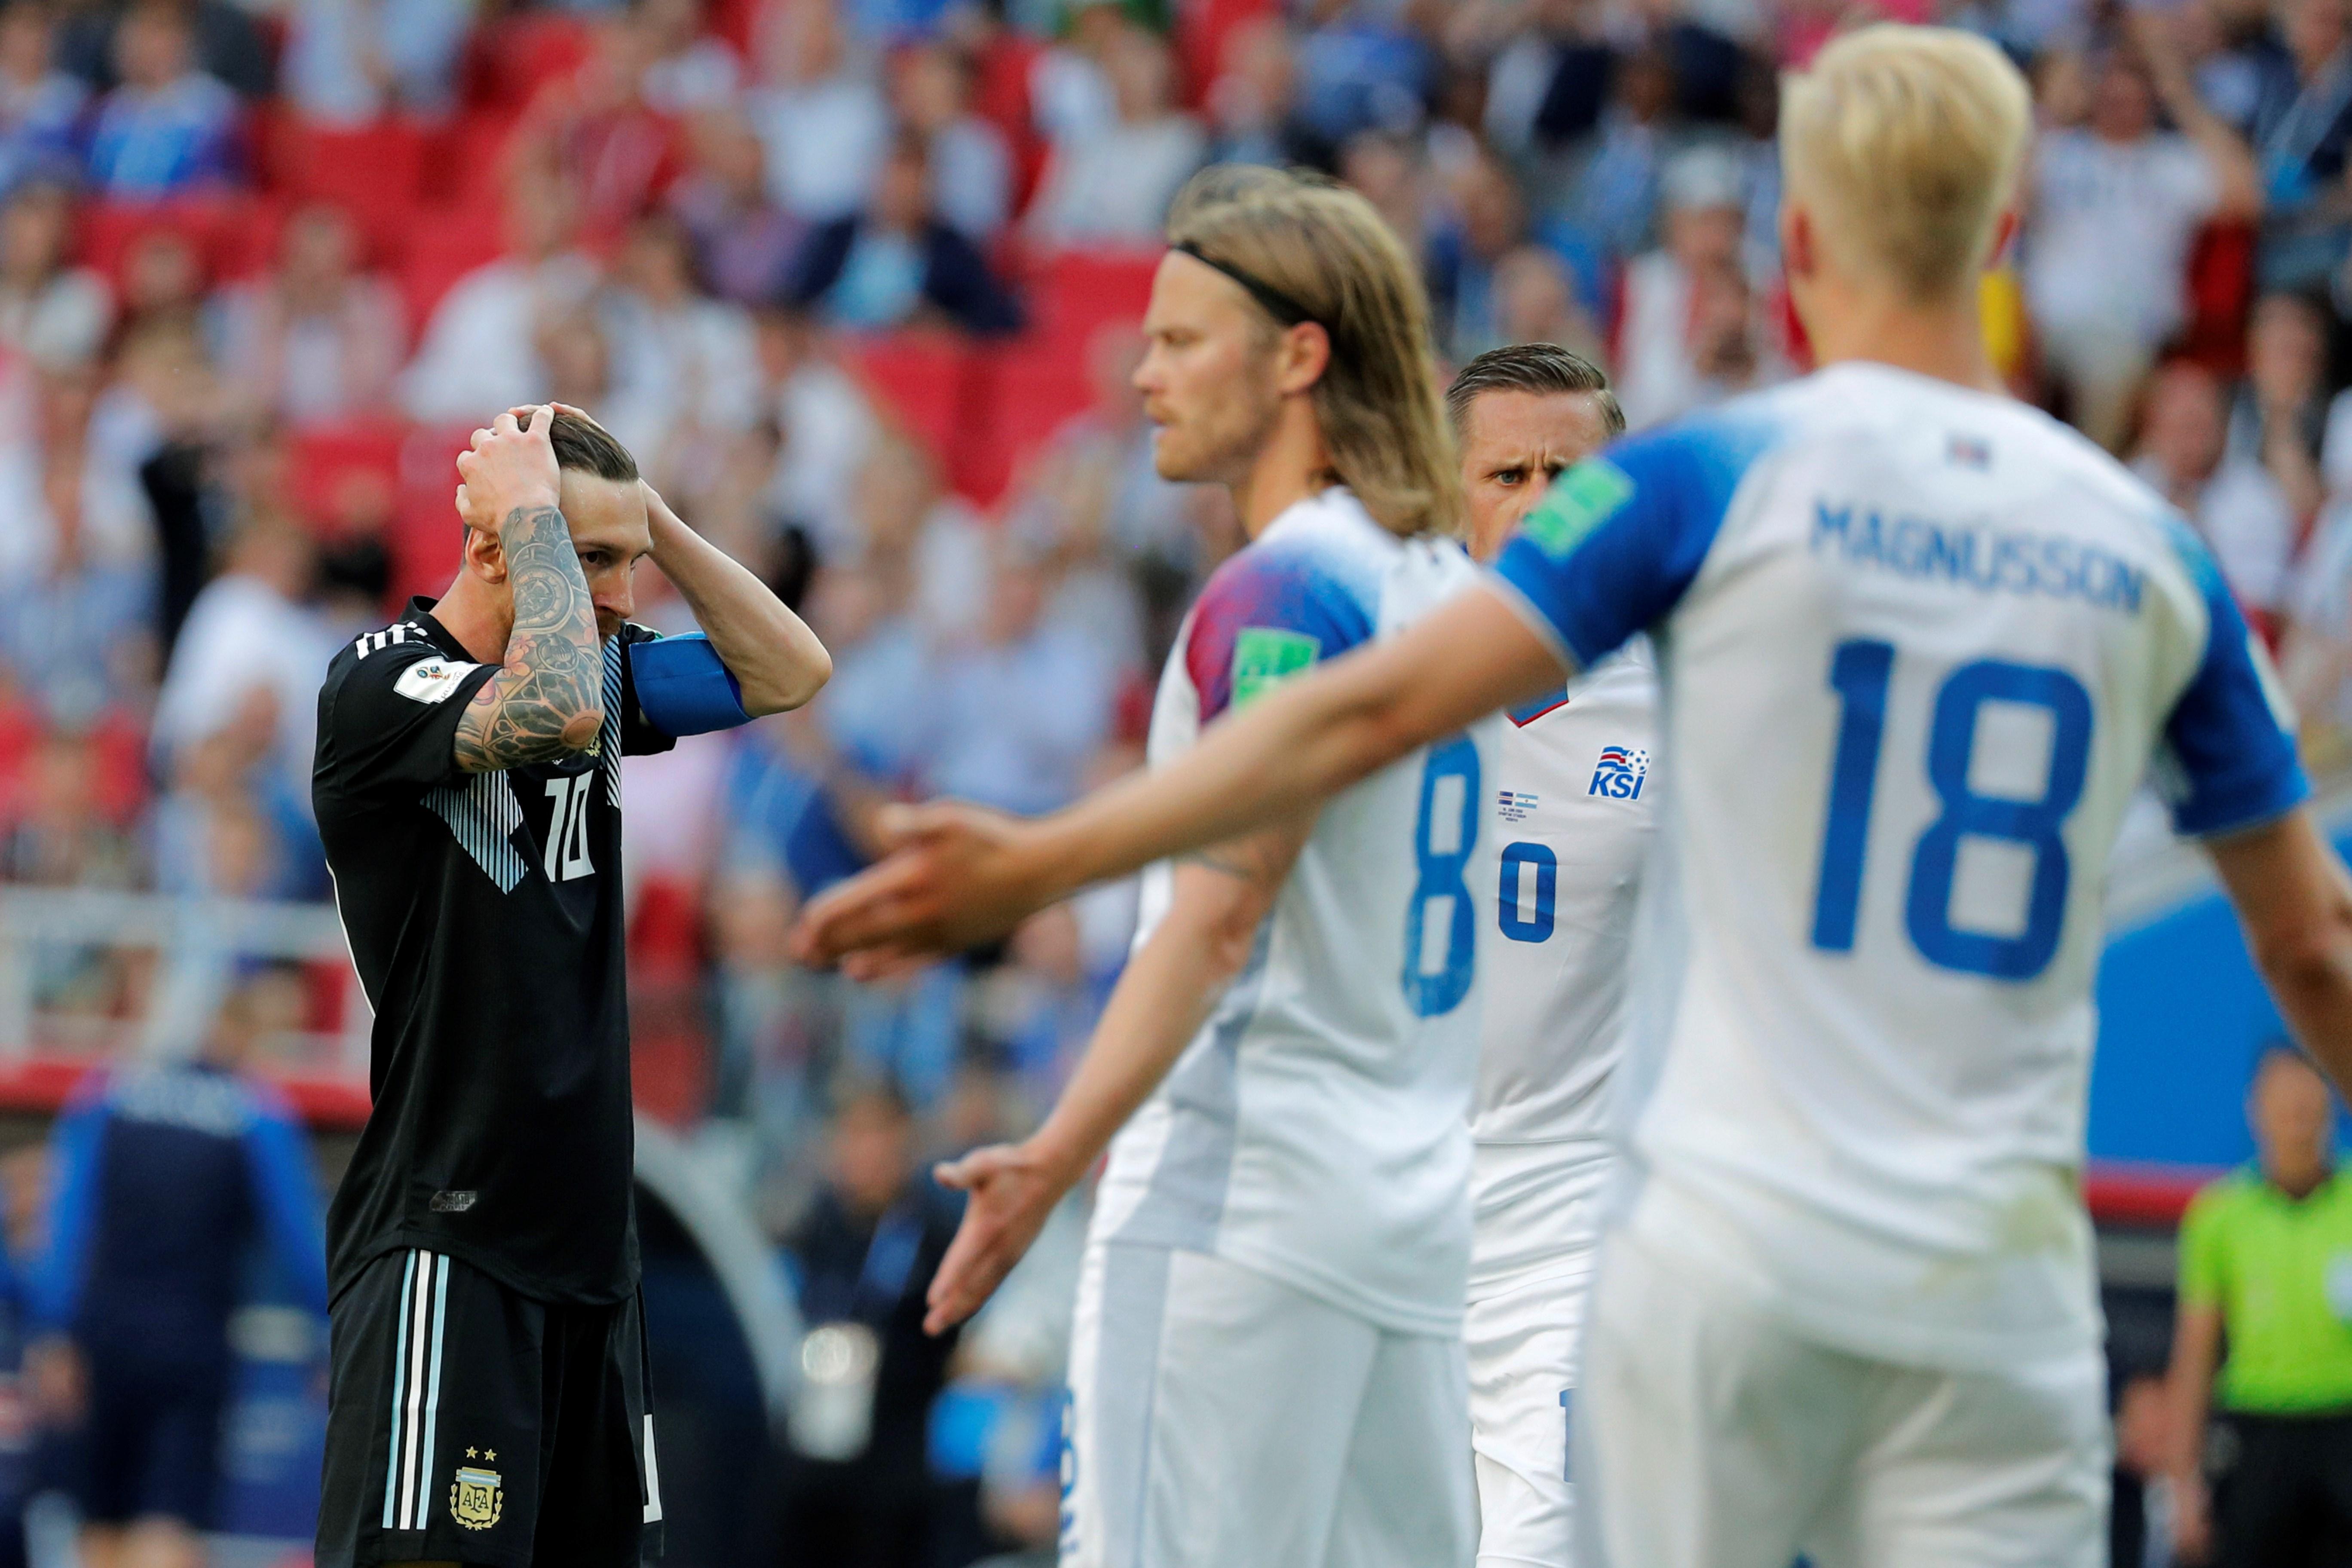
(955, 876)
(1012, 1191)
(510, 468)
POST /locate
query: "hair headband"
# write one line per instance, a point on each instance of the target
(1278, 304)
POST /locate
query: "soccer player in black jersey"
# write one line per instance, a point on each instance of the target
(488, 1402)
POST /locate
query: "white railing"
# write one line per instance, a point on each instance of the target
(196, 944)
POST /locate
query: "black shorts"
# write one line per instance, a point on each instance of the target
(2281, 1490)
(149, 1445)
(468, 1423)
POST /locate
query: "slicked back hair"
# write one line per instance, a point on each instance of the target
(585, 446)
(1543, 369)
(1313, 244)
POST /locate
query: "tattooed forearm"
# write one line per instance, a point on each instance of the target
(548, 699)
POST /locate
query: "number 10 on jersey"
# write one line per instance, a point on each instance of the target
(1861, 672)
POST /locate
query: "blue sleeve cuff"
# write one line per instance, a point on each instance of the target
(684, 687)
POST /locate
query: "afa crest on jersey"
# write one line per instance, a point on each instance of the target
(1620, 773)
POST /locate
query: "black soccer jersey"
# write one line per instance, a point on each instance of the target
(484, 912)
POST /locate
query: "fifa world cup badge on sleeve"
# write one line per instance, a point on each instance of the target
(1581, 500)
(476, 1496)
(1265, 657)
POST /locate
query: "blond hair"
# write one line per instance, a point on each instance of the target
(1323, 249)
(1907, 141)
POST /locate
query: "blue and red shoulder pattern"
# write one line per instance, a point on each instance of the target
(1270, 611)
(1619, 538)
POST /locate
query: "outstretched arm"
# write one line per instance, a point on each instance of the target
(2295, 900)
(1162, 998)
(962, 876)
(547, 698)
(774, 658)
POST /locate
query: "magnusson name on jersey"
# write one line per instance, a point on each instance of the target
(1977, 555)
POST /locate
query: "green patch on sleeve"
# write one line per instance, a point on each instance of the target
(1581, 501)
(1265, 657)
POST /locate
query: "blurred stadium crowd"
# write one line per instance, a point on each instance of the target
(857, 280)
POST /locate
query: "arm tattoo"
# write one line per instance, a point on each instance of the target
(548, 697)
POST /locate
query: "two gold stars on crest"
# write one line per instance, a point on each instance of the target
(492, 1456)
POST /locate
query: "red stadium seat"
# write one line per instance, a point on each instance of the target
(444, 245)
(375, 173)
(1076, 291)
(924, 381)
(329, 461)
(424, 538)
(508, 60)
(1034, 388)
(234, 233)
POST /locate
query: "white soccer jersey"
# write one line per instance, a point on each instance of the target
(1918, 646)
(1317, 1128)
(1570, 828)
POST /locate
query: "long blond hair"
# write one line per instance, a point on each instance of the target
(1323, 248)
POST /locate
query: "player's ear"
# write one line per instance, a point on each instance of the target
(1796, 242)
(484, 558)
(2004, 237)
(1306, 355)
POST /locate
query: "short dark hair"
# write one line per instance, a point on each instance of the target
(585, 446)
(1539, 368)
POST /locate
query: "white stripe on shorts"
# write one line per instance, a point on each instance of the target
(415, 1389)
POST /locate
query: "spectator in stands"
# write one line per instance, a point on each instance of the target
(821, 117)
(826, 429)
(40, 106)
(1489, 220)
(77, 582)
(2116, 207)
(251, 627)
(1389, 171)
(682, 362)
(1365, 66)
(51, 311)
(2279, 416)
(479, 355)
(2261, 1267)
(1070, 93)
(1021, 705)
(348, 63)
(1693, 332)
(897, 263)
(228, 41)
(743, 242)
(62, 507)
(687, 71)
(2233, 500)
(162, 1178)
(1118, 533)
(318, 341)
(593, 131)
(1536, 302)
(971, 165)
(169, 126)
(61, 836)
(232, 825)
(2301, 138)
(1549, 80)
(1113, 187)
(1254, 114)
(1613, 200)
(859, 1494)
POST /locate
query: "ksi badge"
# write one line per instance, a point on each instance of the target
(475, 1498)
